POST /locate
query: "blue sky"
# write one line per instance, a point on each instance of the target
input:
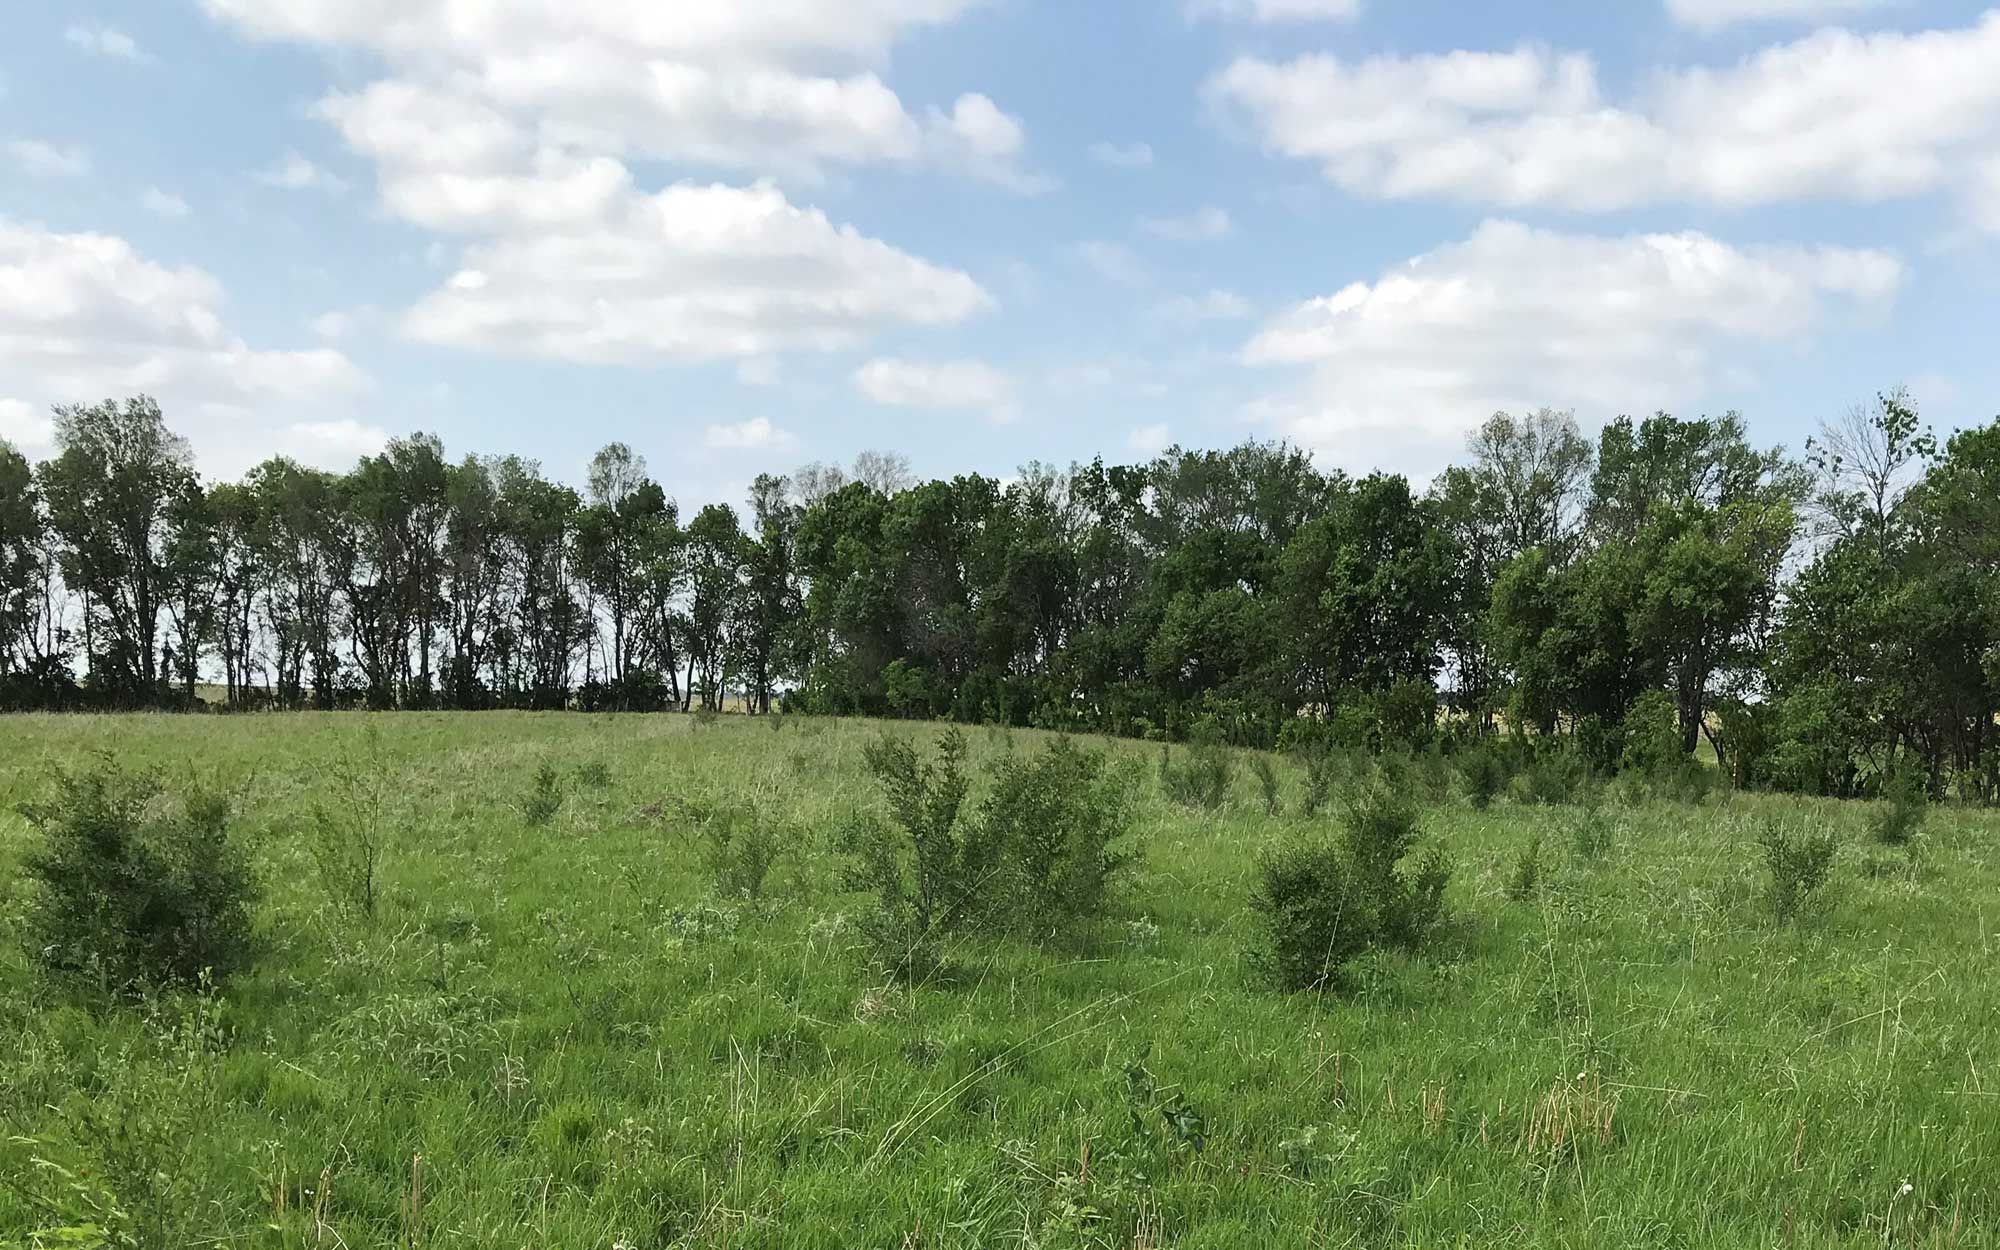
(982, 231)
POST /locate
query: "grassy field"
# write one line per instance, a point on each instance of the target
(561, 1036)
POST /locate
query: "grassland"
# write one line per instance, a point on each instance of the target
(559, 1035)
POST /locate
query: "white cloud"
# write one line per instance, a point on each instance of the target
(1216, 305)
(334, 324)
(758, 371)
(937, 384)
(46, 160)
(1149, 440)
(296, 173)
(779, 87)
(1113, 261)
(1517, 318)
(1833, 115)
(1277, 10)
(97, 39)
(1128, 156)
(85, 316)
(332, 444)
(607, 275)
(1204, 223)
(27, 427)
(1710, 15)
(755, 434)
(163, 203)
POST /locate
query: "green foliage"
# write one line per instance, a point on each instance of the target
(1483, 775)
(1798, 863)
(1902, 814)
(1524, 882)
(133, 889)
(546, 799)
(347, 835)
(1318, 902)
(1267, 783)
(741, 849)
(933, 878)
(1053, 821)
(1555, 775)
(1200, 777)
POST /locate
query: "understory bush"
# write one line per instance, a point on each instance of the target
(1200, 776)
(1798, 864)
(1483, 776)
(134, 889)
(741, 850)
(1037, 859)
(1319, 902)
(1903, 814)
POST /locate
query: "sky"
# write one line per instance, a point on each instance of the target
(744, 236)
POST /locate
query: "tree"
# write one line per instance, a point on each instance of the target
(21, 531)
(773, 601)
(715, 571)
(107, 492)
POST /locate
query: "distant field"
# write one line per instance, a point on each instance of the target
(561, 1036)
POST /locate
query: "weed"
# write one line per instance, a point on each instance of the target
(1267, 782)
(132, 889)
(1525, 882)
(1902, 816)
(546, 799)
(1799, 865)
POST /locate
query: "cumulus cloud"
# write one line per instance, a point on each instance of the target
(782, 87)
(334, 443)
(1833, 115)
(1204, 223)
(937, 384)
(1277, 10)
(97, 39)
(46, 160)
(1517, 318)
(163, 203)
(85, 316)
(1216, 305)
(1149, 440)
(755, 434)
(27, 427)
(1125, 156)
(295, 173)
(1113, 261)
(1709, 15)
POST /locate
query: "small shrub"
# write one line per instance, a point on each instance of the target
(546, 799)
(1322, 771)
(1052, 822)
(1201, 778)
(740, 854)
(1379, 831)
(593, 775)
(133, 890)
(1590, 831)
(346, 838)
(1483, 776)
(1799, 865)
(929, 875)
(1319, 903)
(1525, 882)
(1267, 782)
(1553, 777)
(1903, 815)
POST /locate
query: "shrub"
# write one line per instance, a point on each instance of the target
(546, 799)
(346, 838)
(1553, 777)
(1799, 865)
(931, 878)
(1267, 782)
(1201, 778)
(1483, 776)
(1052, 821)
(1903, 815)
(1526, 880)
(1322, 771)
(1590, 831)
(1379, 831)
(740, 853)
(1319, 903)
(133, 890)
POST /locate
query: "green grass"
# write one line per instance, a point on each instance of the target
(587, 1047)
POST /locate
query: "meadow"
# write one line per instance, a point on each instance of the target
(557, 1030)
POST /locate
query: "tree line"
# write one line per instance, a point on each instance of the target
(1821, 621)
